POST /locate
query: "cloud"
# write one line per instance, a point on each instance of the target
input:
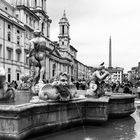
(91, 24)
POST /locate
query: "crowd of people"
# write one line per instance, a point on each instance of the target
(12, 84)
(115, 87)
(97, 84)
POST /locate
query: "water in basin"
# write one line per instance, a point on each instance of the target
(115, 129)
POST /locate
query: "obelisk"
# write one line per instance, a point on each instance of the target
(110, 53)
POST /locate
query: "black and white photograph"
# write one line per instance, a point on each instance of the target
(69, 70)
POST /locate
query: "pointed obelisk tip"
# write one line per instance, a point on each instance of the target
(110, 37)
(64, 13)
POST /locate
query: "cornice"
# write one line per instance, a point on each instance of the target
(11, 19)
(42, 12)
(28, 10)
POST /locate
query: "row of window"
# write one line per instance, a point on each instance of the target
(30, 21)
(9, 75)
(116, 75)
(18, 56)
(9, 27)
(64, 30)
(60, 67)
(9, 35)
(43, 4)
(118, 72)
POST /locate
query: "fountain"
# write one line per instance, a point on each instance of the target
(54, 106)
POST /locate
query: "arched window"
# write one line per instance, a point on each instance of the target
(62, 42)
(63, 29)
(18, 40)
(42, 4)
(42, 29)
(9, 75)
(35, 3)
(53, 71)
(18, 56)
(9, 36)
(9, 26)
(28, 3)
(18, 76)
(9, 54)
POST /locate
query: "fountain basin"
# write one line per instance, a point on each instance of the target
(121, 106)
(18, 122)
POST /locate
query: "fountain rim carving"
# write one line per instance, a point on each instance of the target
(30, 118)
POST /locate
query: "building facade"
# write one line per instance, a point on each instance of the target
(18, 20)
(116, 74)
(134, 74)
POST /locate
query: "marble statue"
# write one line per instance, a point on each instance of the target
(37, 56)
(95, 87)
(6, 93)
(59, 90)
(37, 59)
(26, 81)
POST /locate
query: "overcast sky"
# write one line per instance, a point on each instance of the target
(91, 24)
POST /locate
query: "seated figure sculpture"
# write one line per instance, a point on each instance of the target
(6, 93)
(95, 89)
(61, 89)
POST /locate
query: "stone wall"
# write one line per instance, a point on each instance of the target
(20, 121)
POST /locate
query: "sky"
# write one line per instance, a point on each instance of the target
(92, 22)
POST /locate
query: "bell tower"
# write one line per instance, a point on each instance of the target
(64, 38)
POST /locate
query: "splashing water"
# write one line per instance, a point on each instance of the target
(88, 138)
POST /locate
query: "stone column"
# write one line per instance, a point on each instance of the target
(45, 5)
(49, 30)
(65, 29)
(22, 2)
(31, 4)
(60, 29)
(41, 4)
(38, 4)
(25, 2)
(68, 30)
